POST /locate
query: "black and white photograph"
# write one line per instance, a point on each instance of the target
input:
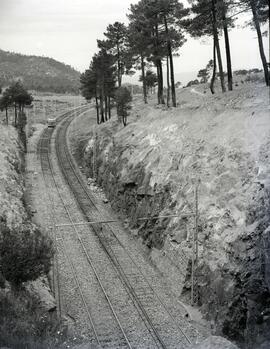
(134, 174)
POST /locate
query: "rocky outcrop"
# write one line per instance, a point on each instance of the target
(11, 179)
(26, 308)
(41, 290)
(153, 166)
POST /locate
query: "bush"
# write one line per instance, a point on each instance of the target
(24, 255)
(24, 325)
(193, 82)
(241, 72)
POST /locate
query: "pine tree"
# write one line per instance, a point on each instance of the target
(138, 41)
(99, 82)
(88, 88)
(5, 103)
(207, 21)
(225, 23)
(150, 80)
(171, 12)
(160, 21)
(115, 44)
(203, 74)
(19, 97)
(260, 14)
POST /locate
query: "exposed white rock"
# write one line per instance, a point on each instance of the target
(215, 342)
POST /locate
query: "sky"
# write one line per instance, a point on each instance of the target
(66, 30)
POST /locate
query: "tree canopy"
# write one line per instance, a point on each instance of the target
(155, 34)
(17, 96)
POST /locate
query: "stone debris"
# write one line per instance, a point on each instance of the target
(95, 188)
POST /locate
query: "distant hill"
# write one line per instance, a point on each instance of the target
(38, 73)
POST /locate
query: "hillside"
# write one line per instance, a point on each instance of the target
(38, 73)
(152, 167)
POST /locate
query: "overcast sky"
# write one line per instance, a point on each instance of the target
(67, 31)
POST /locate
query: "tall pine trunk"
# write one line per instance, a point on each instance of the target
(143, 79)
(169, 46)
(106, 107)
(260, 41)
(220, 66)
(97, 108)
(227, 48)
(102, 119)
(119, 73)
(214, 67)
(109, 106)
(159, 68)
(161, 82)
(6, 115)
(168, 83)
(158, 81)
(15, 111)
(215, 33)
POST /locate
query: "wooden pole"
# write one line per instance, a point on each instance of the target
(196, 222)
(195, 245)
(192, 268)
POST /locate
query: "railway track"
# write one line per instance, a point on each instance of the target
(117, 337)
(48, 170)
(124, 311)
(43, 151)
(166, 331)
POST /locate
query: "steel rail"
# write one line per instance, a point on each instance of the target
(114, 259)
(72, 264)
(56, 281)
(152, 330)
(44, 140)
(93, 268)
(185, 214)
(64, 250)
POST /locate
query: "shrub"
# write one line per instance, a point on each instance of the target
(24, 325)
(193, 82)
(24, 255)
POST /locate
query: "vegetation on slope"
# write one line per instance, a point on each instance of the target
(25, 255)
(156, 32)
(38, 73)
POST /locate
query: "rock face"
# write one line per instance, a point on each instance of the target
(34, 300)
(11, 179)
(152, 167)
(40, 290)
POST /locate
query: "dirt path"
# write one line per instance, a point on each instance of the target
(196, 92)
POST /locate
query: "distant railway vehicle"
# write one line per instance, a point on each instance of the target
(51, 122)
